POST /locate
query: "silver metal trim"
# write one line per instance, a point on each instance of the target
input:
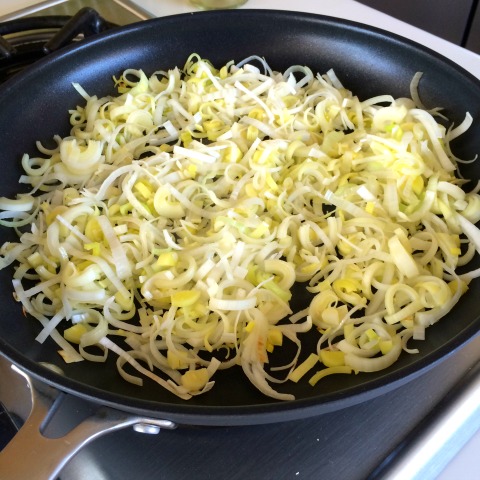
(29, 10)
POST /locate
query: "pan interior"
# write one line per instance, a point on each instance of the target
(35, 107)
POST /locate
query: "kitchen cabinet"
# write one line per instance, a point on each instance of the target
(448, 19)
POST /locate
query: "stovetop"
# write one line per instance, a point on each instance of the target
(350, 444)
(26, 39)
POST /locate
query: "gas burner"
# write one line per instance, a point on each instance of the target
(26, 40)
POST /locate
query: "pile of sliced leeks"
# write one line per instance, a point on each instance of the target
(171, 225)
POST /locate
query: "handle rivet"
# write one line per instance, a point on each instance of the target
(146, 428)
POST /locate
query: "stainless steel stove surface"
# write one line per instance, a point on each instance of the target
(347, 444)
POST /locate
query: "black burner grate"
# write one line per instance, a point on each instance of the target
(26, 40)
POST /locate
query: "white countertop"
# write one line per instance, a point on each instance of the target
(466, 464)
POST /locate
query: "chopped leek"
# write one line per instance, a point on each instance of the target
(171, 226)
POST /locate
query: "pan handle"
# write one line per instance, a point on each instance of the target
(31, 454)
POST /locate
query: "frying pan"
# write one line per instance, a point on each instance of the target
(369, 61)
